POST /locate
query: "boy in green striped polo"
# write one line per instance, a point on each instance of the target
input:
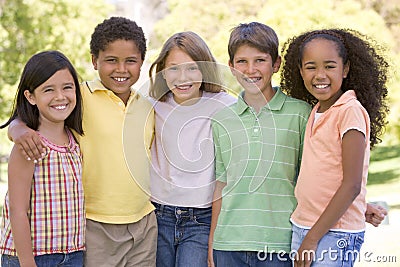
(258, 144)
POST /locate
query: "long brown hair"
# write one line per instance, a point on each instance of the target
(193, 45)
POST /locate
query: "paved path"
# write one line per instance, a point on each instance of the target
(382, 246)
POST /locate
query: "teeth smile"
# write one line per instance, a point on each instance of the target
(60, 107)
(183, 87)
(252, 80)
(120, 79)
(321, 86)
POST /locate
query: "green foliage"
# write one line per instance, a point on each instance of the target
(26, 29)
(213, 20)
(208, 18)
(390, 12)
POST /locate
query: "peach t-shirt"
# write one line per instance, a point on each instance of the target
(321, 171)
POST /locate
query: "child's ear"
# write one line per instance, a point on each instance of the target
(346, 69)
(94, 61)
(277, 64)
(231, 67)
(30, 97)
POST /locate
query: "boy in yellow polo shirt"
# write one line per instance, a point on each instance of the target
(121, 225)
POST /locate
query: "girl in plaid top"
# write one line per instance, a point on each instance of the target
(43, 220)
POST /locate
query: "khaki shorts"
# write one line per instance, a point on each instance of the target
(133, 244)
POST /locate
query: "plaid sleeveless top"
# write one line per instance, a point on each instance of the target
(56, 214)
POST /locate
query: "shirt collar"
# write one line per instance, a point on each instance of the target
(96, 85)
(346, 97)
(276, 103)
(343, 99)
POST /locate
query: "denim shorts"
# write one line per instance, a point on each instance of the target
(334, 249)
(73, 259)
(182, 235)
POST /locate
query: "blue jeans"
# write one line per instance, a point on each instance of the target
(182, 236)
(73, 259)
(251, 259)
(334, 249)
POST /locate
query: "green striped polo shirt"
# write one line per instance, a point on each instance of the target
(258, 157)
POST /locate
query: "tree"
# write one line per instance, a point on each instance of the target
(207, 18)
(214, 19)
(27, 27)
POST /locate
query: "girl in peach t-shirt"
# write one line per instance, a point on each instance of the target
(343, 76)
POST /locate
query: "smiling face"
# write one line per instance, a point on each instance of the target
(183, 76)
(55, 98)
(323, 71)
(119, 67)
(254, 69)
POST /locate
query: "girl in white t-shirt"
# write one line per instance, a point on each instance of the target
(186, 92)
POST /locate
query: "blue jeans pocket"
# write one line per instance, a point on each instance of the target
(335, 248)
(203, 217)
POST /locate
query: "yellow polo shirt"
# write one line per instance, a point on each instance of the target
(116, 152)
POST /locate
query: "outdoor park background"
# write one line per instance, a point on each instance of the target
(29, 26)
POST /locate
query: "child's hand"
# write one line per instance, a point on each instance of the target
(210, 256)
(375, 214)
(30, 144)
(305, 253)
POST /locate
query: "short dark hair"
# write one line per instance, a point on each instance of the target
(117, 28)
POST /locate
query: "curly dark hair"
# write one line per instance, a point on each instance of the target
(117, 28)
(367, 75)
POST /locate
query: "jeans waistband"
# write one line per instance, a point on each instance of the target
(180, 211)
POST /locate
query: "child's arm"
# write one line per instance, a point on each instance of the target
(353, 148)
(26, 139)
(216, 208)
(20, 173)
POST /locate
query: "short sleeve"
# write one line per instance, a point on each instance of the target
(220, 168)
(353, 118)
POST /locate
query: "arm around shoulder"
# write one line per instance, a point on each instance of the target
(26, 139)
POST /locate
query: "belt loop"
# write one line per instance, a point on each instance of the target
(191, 213)
(161, 209)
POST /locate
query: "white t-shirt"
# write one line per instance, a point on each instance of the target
(182, 171)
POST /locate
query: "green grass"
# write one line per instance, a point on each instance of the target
(384, 175)
(384, 166)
